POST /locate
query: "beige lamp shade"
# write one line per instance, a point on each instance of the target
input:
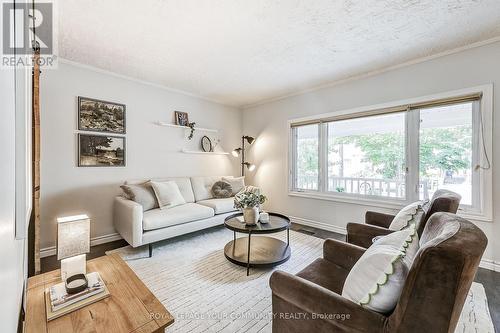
(73, 236)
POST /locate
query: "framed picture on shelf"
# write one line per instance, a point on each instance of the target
(181, 118)
(101, 150)
(101, 116)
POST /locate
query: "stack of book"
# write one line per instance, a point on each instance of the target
(58, 302)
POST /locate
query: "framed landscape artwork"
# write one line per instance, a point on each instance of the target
(101, 150)
(100, 116)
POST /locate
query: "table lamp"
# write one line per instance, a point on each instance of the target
(73, 242)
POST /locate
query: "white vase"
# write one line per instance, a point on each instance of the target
(251, 215)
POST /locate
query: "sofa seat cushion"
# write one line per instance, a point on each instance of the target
(161, 218)
(326, 274)
(220, 206)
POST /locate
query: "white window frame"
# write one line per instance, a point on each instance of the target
(482, 194)
(293, 165)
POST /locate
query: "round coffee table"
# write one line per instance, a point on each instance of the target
(258, 251)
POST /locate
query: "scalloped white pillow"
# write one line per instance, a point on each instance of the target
(406, 216)
(378, 277)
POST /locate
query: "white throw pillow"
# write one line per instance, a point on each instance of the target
(168, 194)
(407, 216)
(237, 183)
(410, 248)
(378, 277)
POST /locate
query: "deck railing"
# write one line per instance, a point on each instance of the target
(392, 188)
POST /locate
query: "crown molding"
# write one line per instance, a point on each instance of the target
(148, 83)
(374, 72)
(292, 94)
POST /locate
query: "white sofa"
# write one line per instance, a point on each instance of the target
(200, 211)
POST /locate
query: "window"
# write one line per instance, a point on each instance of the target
(397, 154)
(307, 157)
(445, 151)
(366, 159)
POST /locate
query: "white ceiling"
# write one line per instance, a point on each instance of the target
(240, 52)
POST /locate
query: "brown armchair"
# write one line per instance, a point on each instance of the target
(377, 224)
(431, 300)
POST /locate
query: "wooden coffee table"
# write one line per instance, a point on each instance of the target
(260, 251)
(131, 307)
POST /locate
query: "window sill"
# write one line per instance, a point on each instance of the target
(380, 203)
(474, 217)
(373, 202)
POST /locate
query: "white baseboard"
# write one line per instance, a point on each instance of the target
(51, 251)
(485, 263)
(490, 264)
(319, 225)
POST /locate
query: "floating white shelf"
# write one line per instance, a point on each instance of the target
(162, 123)
(204, 152)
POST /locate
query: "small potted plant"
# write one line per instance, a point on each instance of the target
(249, 202)
(191, 133)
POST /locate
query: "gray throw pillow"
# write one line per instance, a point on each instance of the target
(222, 190)
(142, 194)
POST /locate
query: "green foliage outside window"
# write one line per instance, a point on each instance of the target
(307, 157)
(444, 149)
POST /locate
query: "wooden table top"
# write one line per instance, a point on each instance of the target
(130, 308)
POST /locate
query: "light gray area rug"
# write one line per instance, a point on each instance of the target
(206, 293)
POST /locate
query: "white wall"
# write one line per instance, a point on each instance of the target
(152, 150)
(269, 123)
(12, 251)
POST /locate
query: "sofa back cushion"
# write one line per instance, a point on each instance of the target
(184, 184)
(202, 186)
(442, 201)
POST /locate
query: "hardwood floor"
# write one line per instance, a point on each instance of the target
(51, 263)
(491, 282)
(489, 279)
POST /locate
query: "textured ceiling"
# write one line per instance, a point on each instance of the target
(240, 52)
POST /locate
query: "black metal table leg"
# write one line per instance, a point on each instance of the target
(288, 237)
(248, 257)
